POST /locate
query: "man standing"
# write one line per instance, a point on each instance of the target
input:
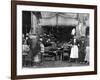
(82, 48)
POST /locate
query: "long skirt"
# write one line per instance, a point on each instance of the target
(87, 54)
(74, 52)
(37, 58)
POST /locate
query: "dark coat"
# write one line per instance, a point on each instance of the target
(34, 47)
(82, 48)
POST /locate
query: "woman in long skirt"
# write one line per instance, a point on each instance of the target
(34, 49)
(74, 52)
(87, 50)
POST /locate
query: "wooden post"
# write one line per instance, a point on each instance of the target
(33, 23)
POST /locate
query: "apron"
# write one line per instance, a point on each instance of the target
(74, 52)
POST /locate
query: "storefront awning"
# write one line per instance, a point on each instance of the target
(58, 21)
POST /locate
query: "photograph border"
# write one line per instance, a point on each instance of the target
(14, 39)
